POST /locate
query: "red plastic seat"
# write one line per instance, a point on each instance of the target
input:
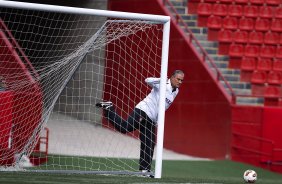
(241, 2)
(230, 23)
(252, 50)
(270, 92)
(267, 51)
(264, 64)
(280, 39)
(271, 38)
(259, 77)
(274, 77)
(204, 9)
(266, 12)
(235, 10)
(251, 11)
(277, 65)
(257, 2)
(248, 63)
(226, 1)
(273, 2)
(236, 50)
(255, 37)
(219, 9)
(225, 35)
(214, 22)
(262, 24)
(276, 25)
(278, 12)
(241, 36)
(246, 24)
(279, 52)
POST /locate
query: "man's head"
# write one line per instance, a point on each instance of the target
(176, 78)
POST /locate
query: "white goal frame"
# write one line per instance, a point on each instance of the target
(165, 20)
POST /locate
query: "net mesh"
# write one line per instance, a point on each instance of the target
(54, 68)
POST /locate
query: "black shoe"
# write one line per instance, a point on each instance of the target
(147, 173)
(104, 105)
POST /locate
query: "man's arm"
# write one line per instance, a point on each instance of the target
(151, 81)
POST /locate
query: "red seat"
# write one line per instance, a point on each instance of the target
(241, 1)
(225, 35)
(279, 52)
(278, 12)
(280, 39)
(204, 9)
(226, 1)
(251, 11)
(214, 22)
(267, 51)
(219, 9)
(271, 38)
(276, 25)
(273, 2)
(259, 77)
(236, 50)
(255, 37)
(257, 2)
(230, 23)
(248, 63)
(266, 12)
(277, 65)
(252, 50)
(271, 91)
(235, 10)
(274, 77)
(264, 64)
(246, 24)
(241, 36)
(262, 24)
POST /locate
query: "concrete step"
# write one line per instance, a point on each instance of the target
(250, 101)
(178, 2)
(237, 84)
(189, 17)
(179, 9)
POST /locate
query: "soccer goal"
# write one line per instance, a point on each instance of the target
(56, 63)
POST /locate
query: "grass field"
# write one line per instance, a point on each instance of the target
(208, 172)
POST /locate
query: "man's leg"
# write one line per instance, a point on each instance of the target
(120, 124)
(147, 138)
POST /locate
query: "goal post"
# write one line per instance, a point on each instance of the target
(56, 63)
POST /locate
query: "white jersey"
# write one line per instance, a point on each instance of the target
(150, 104)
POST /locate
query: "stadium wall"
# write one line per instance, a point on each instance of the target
(198, 123)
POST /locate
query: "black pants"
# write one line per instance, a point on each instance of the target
(137, 120)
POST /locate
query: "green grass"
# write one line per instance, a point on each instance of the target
(225, 172)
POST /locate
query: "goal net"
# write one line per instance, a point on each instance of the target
(56, 63)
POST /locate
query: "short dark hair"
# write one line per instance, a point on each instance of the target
(177, 72)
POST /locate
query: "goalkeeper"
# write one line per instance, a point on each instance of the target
(144, 116)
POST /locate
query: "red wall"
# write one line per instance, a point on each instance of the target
(198, 123)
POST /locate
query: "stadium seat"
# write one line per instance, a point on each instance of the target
(264, 64)
(251, 11)
(204, 9)
(225, 35)
(278, 12)
(252, 50)
(277, 65)
(226, 1)
(276, 25)
(259, 77)
(266, 12)
(214, 22)
(236, 50)
(244, 2)
(255, 37)
(271, 91)
(246, 24)
(271, 38)
(257, 2)
(279, 52)
(248, 63)
(262, 24)
(241, 36)
(274, 77)
(219, 9)
(267, 51)
(280, 39)
(230, 23)
(273, 2)
(235, 10)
